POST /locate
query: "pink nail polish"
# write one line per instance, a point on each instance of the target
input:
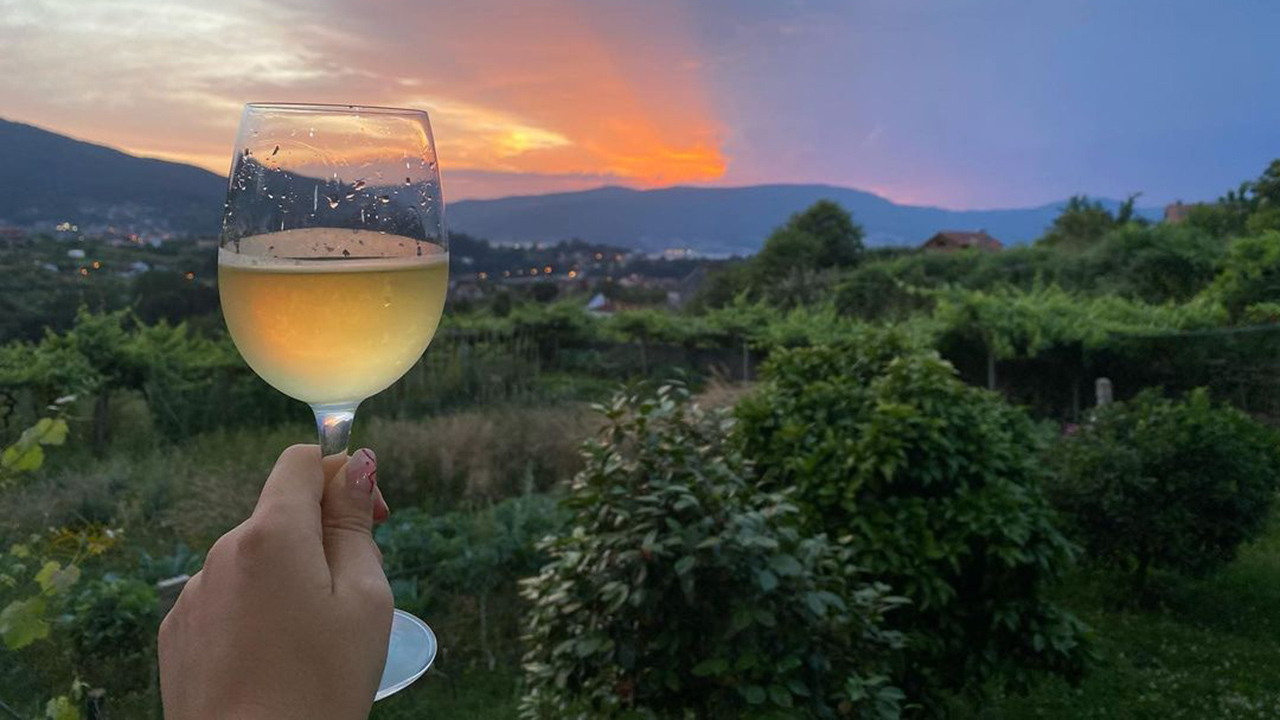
(362, 472)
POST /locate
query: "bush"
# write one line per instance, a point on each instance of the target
(1250, 273)
(114, 615)
(681, 590)
(871, 292)
(938, 485)
(1162, 484)
(465, 565)
(1156, 263)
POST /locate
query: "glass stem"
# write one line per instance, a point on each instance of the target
(334, 425)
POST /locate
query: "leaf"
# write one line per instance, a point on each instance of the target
(22, 622)
(21, 457)
(786, 565)
(52, 432)
(62, 708)
(815, 603)
(685, 564)
(712, 666)
(780, 696)
(754, 694)
(54, 579)
(768, 581)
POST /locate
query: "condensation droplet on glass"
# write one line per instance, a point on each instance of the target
(346, 252)
(362, 221)
(431, 165)
(408, 181)
(282, 225)
(406, 165)
(311, 132)
(333, 202)
(273, 197)
(350, 195)
(273, 152)
(315, 199)
(359, 185)
(384, 199)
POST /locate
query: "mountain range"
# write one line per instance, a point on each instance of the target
(47, 178)
(729, 220)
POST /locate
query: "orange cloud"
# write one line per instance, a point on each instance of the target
(562, 88)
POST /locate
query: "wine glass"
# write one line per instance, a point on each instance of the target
(332, 269)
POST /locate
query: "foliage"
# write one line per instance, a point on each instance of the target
(1156, 263)
(114, 616)
(1250, 273)
(431, 559)
(873, 292)
(27, 618)
(1083, 222)
(1162, 484)
(796, 264)
(683, 589)
(1229, 217)
(822, 236)
(1014, 323)
(938, 485)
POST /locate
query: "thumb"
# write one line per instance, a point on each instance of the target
(346, 516)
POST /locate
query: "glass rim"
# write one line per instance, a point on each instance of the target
(333, 109)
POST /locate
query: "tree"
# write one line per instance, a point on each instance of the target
(818, 240)
(1156, 263)
(1162, 484)
(1082, 222)
(1267, 187)
(684, 591)
(1229, 217)
(938, 485)
(839, 237)
(1250, 273)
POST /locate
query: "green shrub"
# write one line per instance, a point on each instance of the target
(114, 615)
(1156, 263)
(469, 560)
(1250, 273)
(872, 292)
(683, 591)
(937, 484)
(1163, 484)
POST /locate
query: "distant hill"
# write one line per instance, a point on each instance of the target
(46, 178)
(725, 220)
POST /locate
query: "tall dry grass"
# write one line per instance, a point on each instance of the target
(194, 491)
(478, 455)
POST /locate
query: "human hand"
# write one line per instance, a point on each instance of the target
(291, 614)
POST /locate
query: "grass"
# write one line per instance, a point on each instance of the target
(1210, 649)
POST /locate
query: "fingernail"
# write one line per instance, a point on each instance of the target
(362, 473)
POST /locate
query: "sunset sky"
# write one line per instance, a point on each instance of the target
(981, 103)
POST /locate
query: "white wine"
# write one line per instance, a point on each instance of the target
(336, 329)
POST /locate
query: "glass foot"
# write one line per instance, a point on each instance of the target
(412, 650)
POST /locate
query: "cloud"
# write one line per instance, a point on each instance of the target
(561, 88)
